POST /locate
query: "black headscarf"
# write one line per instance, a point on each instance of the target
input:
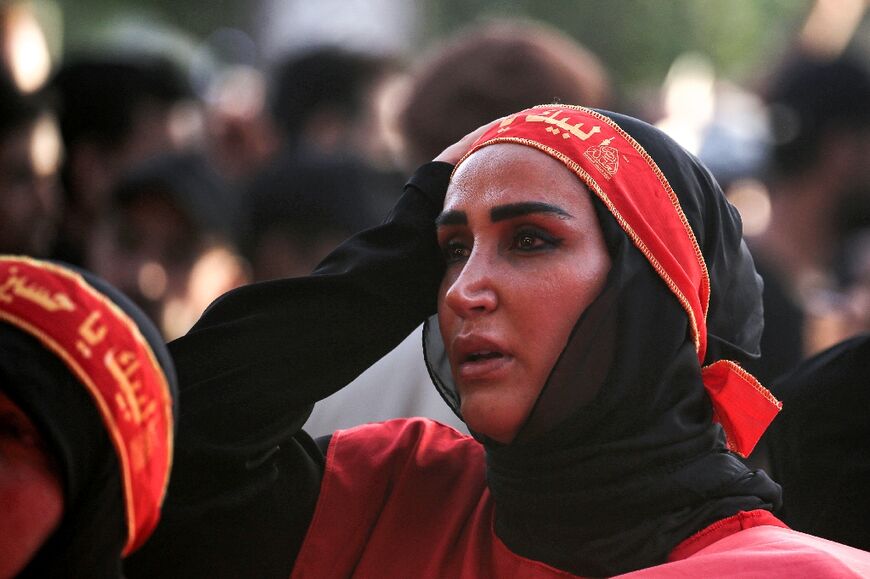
(93, 531)
(619, 460)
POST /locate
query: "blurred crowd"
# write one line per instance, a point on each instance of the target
(113, 163)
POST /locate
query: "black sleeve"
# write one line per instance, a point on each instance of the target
(245, 477)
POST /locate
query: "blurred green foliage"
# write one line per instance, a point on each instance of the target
(637, 39)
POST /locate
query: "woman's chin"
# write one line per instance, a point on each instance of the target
(498, 423)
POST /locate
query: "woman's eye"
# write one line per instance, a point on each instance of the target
(454, 251)
(533, 241)
(526, 241)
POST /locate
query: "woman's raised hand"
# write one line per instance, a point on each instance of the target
(454, 152)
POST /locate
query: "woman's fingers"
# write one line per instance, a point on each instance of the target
(454, 152)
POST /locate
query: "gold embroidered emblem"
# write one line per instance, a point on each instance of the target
(604, 157)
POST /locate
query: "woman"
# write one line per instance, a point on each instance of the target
(86, 423)
(596, 290)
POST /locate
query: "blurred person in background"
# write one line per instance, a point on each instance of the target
(114, 113)
(489, 71)
(323, 100)
(240, 135)
(86, 423)
(819, 446)
(483, 73)
(299, 212)
(167, 239)
(325, 103)
(856, 280)
(819, 183)
(30, 156)
(327, 180)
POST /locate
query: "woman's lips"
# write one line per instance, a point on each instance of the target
(483, 366)
(479, 358)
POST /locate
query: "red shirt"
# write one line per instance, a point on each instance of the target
(408, 497)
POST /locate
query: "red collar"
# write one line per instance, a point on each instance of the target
(721, 529)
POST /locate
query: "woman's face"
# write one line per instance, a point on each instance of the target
(525, 257)
(31, 494)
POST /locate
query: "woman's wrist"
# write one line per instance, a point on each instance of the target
(432, 179)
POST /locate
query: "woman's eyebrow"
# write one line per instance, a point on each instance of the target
(451, 217)
(513, 210)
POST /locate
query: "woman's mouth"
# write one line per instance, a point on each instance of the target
(482, 364)
(485, 355)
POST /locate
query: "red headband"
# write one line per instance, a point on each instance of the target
(104, 349)
(612, 164)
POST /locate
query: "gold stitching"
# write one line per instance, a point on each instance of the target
(748, 378)
(671, 195)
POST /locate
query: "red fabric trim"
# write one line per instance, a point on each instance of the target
(104, 349)
(721, 529)
(741, 405)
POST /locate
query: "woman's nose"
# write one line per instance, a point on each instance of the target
(474, 291)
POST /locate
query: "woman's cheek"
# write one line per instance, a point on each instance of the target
(31, 508)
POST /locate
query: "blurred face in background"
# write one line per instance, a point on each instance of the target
(146, 249)
(29, 187)
(155, 253)
(525, 257)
